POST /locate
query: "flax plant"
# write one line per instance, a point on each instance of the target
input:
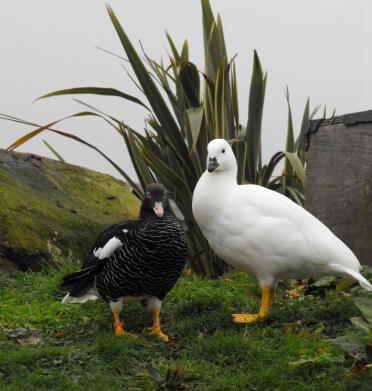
(188, 108)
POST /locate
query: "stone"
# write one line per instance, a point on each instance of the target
(51, 210)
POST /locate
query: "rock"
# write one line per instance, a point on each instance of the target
(50, 209)
(6, 266)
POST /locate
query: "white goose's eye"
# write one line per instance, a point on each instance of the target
(223, 151)
(148, 195)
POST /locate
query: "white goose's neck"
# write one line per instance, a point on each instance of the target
(211, 194)
(224, 178)
(221, 179)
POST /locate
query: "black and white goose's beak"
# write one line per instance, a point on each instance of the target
(212, 164)
(158, 209)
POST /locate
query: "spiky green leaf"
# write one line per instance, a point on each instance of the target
(219, 103)
(195, 116)
(297, 165)
(152, 93)
(95, 91)
(173, 48)
(159, 166)
(34, 133)
(255, 111)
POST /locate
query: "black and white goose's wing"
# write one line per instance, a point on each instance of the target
(108, 241)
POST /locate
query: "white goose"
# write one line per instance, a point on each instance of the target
(261, 231)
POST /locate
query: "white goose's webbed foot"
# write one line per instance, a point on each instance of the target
(266, 301)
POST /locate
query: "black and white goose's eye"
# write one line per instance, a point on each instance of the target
(148, 194)
(223, 151)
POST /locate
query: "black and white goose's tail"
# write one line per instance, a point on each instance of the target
(83, 282)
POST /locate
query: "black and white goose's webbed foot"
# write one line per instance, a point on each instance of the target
(116, 308)
(155, 304)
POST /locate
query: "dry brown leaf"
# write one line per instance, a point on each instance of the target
(359, 368)
(29, 341)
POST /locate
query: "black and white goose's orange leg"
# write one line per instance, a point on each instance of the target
(116, 308)
(266, 301)
(155, 304)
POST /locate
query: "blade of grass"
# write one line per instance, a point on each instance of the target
(59, 157)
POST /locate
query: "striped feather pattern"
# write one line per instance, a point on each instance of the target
(149, 262)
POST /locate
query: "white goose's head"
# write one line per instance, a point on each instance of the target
(220, 156)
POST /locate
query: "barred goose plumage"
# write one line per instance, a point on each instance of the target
(133, 260)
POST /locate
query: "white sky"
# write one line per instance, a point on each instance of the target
(319, 48)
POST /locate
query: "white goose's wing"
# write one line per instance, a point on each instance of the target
(285, 234)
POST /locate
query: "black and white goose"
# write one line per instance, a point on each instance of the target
(133, 260)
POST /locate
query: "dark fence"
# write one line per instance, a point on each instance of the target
(339, 178)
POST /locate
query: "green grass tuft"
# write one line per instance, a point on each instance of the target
(48, 346)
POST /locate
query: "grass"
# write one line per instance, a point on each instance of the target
(48, 346)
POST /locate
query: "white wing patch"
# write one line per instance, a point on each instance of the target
(108, 249)
(125, 230)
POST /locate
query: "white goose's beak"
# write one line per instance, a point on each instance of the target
(212, 164)
(158, 209)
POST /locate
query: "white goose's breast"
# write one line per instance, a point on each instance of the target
(232, 241)
(250, 241)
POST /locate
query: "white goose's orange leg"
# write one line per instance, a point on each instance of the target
(155, 329)
(272, 295)
(119, 325)
(266, 301)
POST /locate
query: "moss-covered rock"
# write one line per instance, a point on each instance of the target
(49, 207)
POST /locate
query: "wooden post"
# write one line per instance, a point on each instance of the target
(339, 178)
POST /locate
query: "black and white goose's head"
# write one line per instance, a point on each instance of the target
(154, 200)
(220, 156)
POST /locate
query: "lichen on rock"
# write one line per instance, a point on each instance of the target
(47, 207)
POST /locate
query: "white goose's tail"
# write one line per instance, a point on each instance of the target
(353, 274)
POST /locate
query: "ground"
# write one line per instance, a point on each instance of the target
(48, 346)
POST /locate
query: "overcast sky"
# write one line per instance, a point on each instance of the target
(320, 48)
